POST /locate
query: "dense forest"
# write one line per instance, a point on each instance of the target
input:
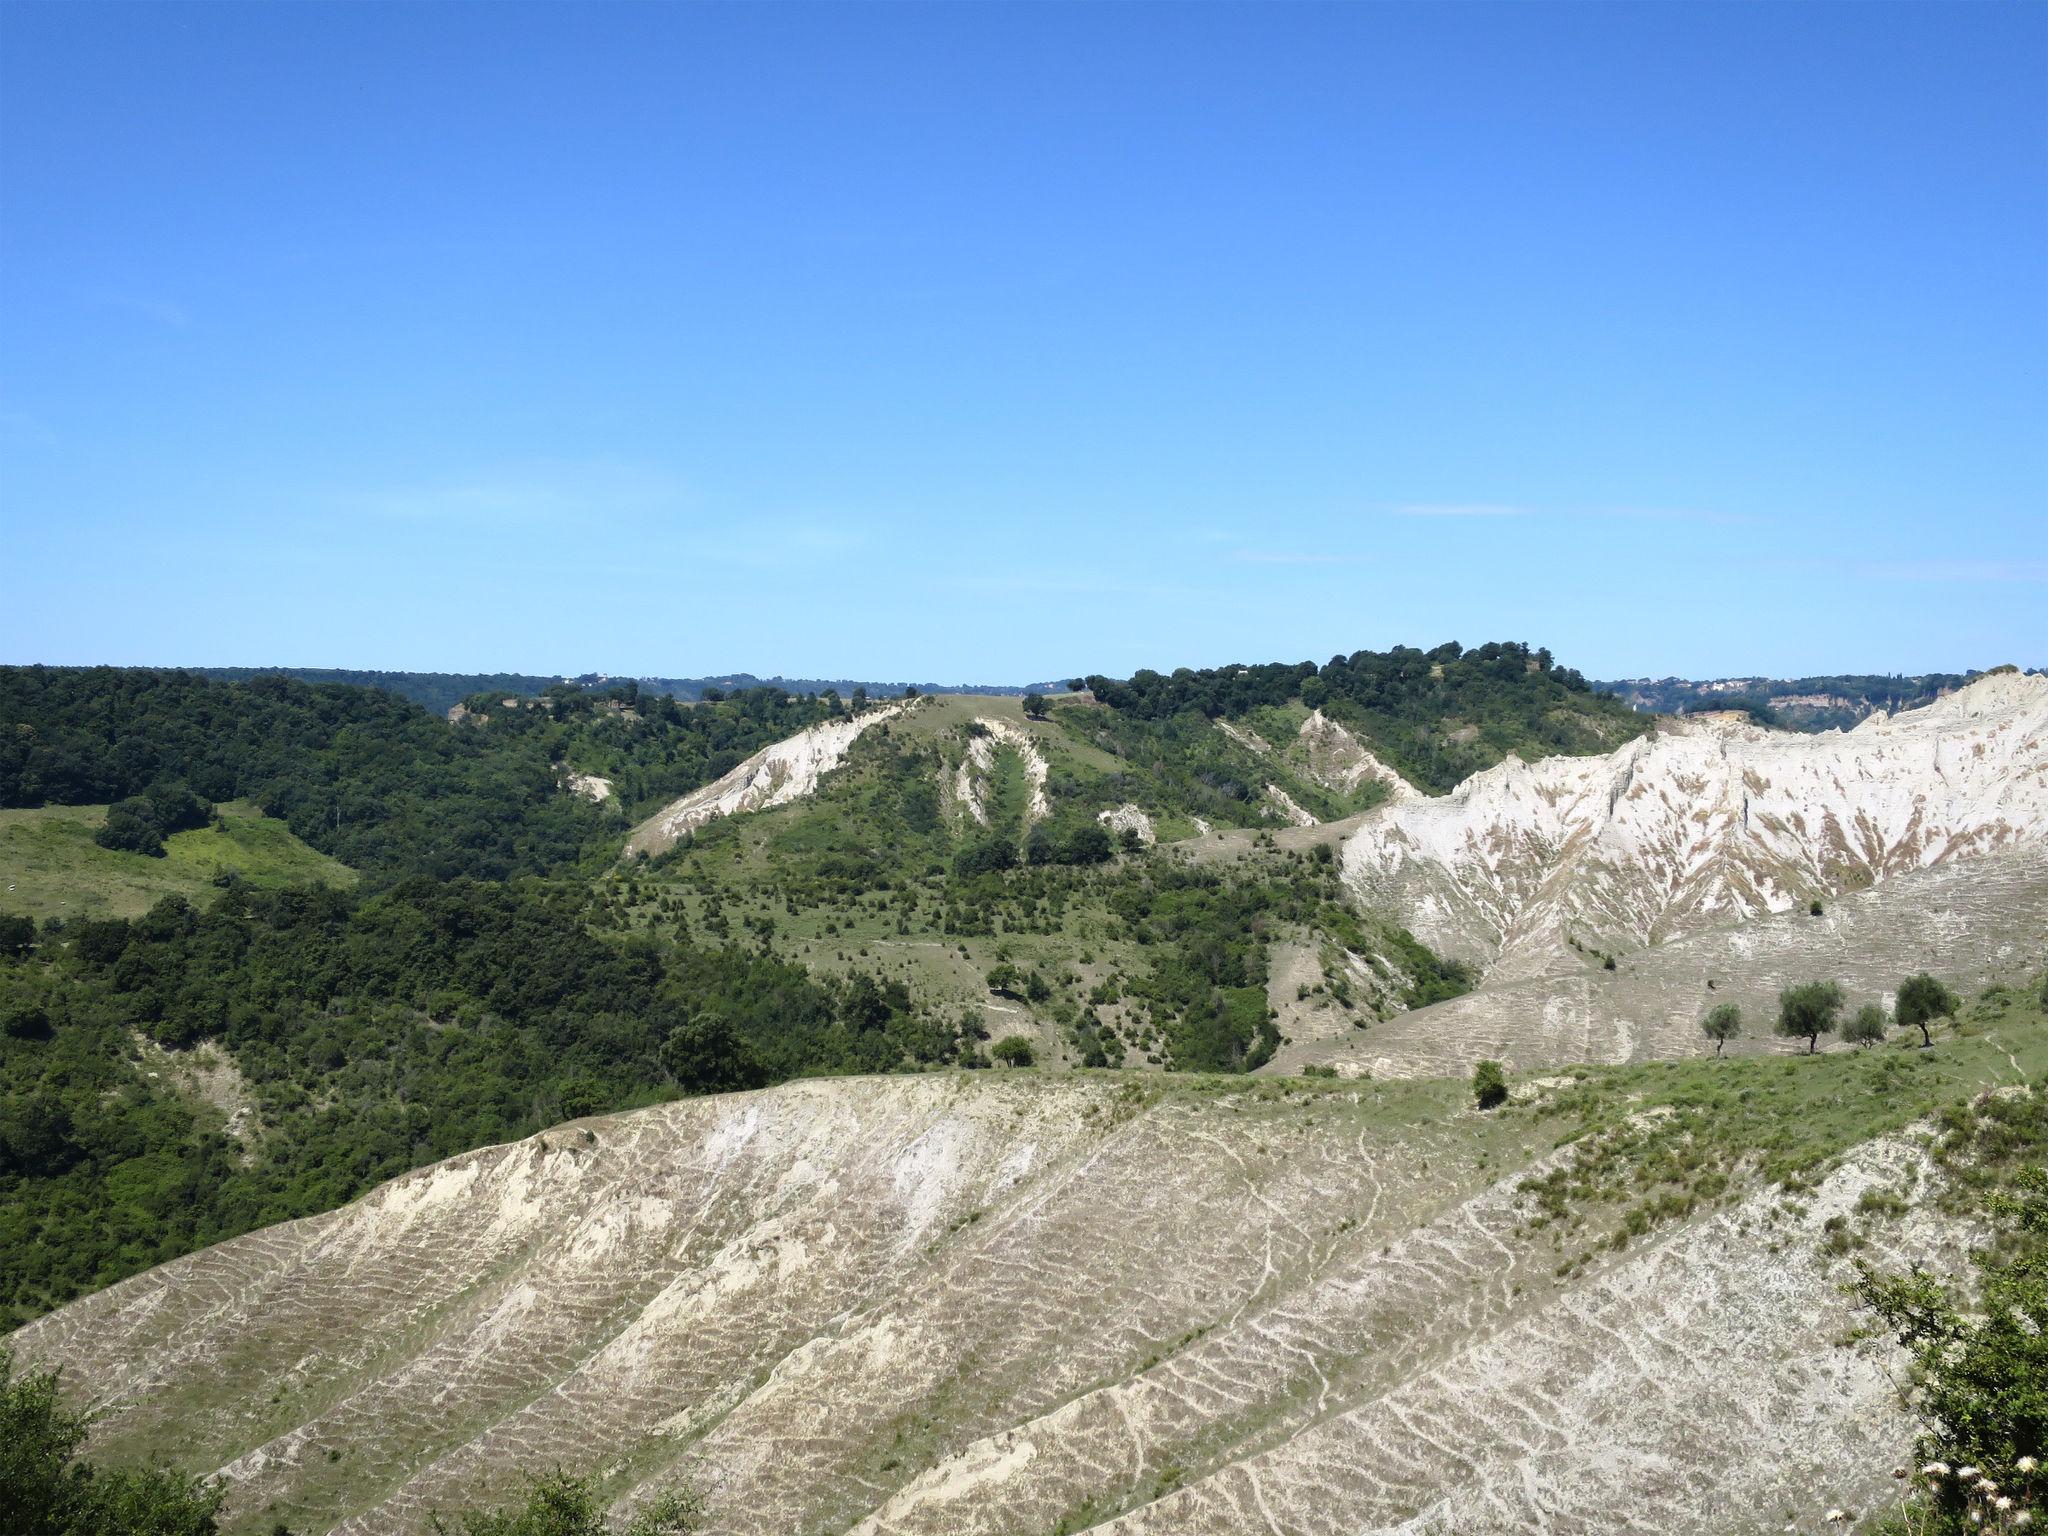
(441, 691)
(372, 1034)
(1436, 715)
(370, 778)
(180, 1077)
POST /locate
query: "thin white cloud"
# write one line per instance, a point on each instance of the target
(1670, 515)
(1461, 509)
(1962, 571)
(162, 312)
(550, 491)
(1289, 557)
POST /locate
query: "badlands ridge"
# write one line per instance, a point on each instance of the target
(1027, 1304)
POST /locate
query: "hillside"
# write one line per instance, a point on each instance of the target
(954, 1304)
(1173, 1298)
(1793, 704)
(438, 692)
(1607, 902)
(371, 779)
(50, 867)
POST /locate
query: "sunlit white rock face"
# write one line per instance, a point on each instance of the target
(1711, 820)
(970, 782)
(1339, 760)
(1328, 1319)
(775, 775)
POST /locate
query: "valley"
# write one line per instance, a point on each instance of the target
(1009, 1113)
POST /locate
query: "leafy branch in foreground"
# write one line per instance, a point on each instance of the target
(47, 1490)
(1980, 1362)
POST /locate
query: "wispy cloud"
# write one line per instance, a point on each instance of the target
(1962, 571)
(1460, 509)
(1290, 557)
(782, 540)
(1668, 515)
(545, 491)
(161, 312)
(1514, 509)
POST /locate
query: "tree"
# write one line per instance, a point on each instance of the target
(1722, 1024)
(1922, 1000)
(128, 829)
(560, 1505)
(46, 1490)
(1808, 1011)
(1013, 1050)
(1867, 1026)
(1076, 684)
(1034, 706)
(1315, 693)
(1489, 1084)
(17, 934)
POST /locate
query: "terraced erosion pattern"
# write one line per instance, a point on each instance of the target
(962, 1304)
(1691, 859)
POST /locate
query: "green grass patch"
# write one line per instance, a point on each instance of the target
(51, 867)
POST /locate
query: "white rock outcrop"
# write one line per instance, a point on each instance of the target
(775, 775)
(971, 778)
(1287, 808)
(589, 786)
(1711, 820)
(1339, 760)
(1129, 818)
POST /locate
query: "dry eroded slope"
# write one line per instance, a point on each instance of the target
(945, 1305)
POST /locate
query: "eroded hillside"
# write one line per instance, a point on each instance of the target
(969, 1304)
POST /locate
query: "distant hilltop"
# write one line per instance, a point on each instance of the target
(440, 691)
(1791, 703)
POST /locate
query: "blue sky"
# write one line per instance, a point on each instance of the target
(979, 343)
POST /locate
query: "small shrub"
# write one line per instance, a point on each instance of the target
(1489, 1084)
(1013, 1051)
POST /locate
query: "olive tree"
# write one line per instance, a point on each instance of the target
(1808, 1011)
(1866, 1026)
(1722, 1024)
(1922, 1000)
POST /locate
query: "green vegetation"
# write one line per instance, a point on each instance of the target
(1808, 1011)
(1489, 1085)
(1867, 1026)
(1922, 1000)
(1980, 1353)
(1722, 1024)
(366, 1035)
(364, 776)
(559, 1505)
(1659, 1140)
(47, 1489)
(140, 823)
(52, 865)
(1437, 715)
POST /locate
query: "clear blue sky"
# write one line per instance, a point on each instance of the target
(971, 342)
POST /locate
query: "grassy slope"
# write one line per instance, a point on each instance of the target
(855, 876)
(1667, 1136)
(51, 867)
(1749, 1119)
